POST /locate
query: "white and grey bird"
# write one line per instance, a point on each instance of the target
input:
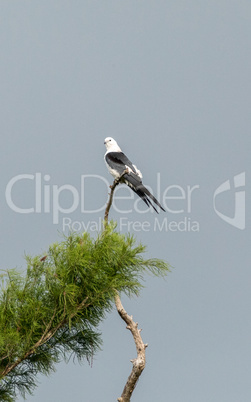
(117, 162)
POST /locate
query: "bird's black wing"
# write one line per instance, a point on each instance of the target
(118, 161)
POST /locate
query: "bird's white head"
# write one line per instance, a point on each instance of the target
(111, 145)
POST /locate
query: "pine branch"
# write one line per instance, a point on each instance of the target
(47, 335)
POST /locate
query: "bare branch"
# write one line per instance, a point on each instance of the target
(140, 361)
(114, 185)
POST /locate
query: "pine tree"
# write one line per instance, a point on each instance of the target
(53, 310)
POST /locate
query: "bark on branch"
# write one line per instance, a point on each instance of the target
(114, 185)
(138, 364)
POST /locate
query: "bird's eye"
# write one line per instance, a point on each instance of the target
(109, 140)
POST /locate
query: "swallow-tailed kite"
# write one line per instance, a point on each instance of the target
(117, 162)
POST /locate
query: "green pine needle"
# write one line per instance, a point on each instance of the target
(53, 312)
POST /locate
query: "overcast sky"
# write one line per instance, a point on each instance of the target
(170, 81)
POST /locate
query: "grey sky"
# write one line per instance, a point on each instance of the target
(170, 81)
